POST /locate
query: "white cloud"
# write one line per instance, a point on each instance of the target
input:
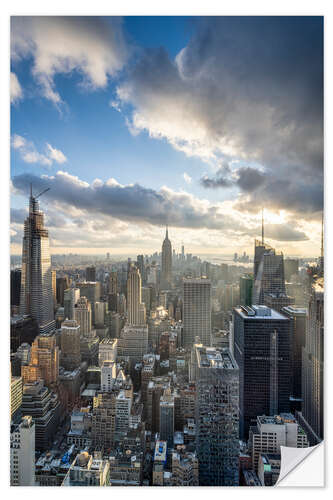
(29, 153)
(94, 47)
(55, 154)
(16, 92)
(187, 178)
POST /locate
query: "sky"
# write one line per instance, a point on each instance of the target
(138, 122)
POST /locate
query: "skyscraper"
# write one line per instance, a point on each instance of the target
(70, 345)
(268, 273)
(166, 277)
(135, 308)
(245, 289)
(215, 372)
(196, 310)
(44, 361)
(71, 296)
(91, 273)
(36, 280)
(313, 365)
(82, 314)
(262, 349)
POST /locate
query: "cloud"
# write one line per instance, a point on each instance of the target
(284, 232)
(187, 178)
(16, 92)
(92, 46)
(244, 88)
(29, 153)
(133, 203)
(55, 154)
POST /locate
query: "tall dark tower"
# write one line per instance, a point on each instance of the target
(36, 280)
(166, 277)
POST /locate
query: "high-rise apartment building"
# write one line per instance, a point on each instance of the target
(36, 279)
(135, 307)
(92, 291)
(70, 345)
(166, 275)
(44, 361)
(82, 314)
(215, 372)
(313, 366)
(262, 349)
(22, 453)
(196, 311)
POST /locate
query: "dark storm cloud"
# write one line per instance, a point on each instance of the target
(248, 88)
(284, 232)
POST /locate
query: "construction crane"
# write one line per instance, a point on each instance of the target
(42, 192)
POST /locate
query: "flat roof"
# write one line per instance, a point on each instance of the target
(261, 313)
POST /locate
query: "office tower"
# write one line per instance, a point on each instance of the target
(91, 273)
(166, 276)
(167, 417)
(16, 389)
(70, 345)
(224, 272)
(217, 421)
(290, 268)
(88, 471)
(269, 467)
(71, 296)
(107, 350)
(262, 349)
(312, 365)
(15, 287)
(104, 420)
(62, 283)
(23, 352)
(297, 316)
(135, 308)
(22, 453)
(113, 291)
(100, 314)
(185, 468)
(270, 433)
(44, 361)
(133, 342)
(146, 298)
(245, 289)
(278, 301)
(44, 407)
(36, 279)
(92, 291)
(196, 310)
(82, 314)
(268, 273)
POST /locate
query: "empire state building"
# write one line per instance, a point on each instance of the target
(166, 277)
(36, 279)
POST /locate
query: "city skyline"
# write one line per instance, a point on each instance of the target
(87, 128)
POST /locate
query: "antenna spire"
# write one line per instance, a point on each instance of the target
(262, 226)
(322, 236)
(166, 232)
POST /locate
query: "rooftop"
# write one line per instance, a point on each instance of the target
(259, 312)
(211, 357)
